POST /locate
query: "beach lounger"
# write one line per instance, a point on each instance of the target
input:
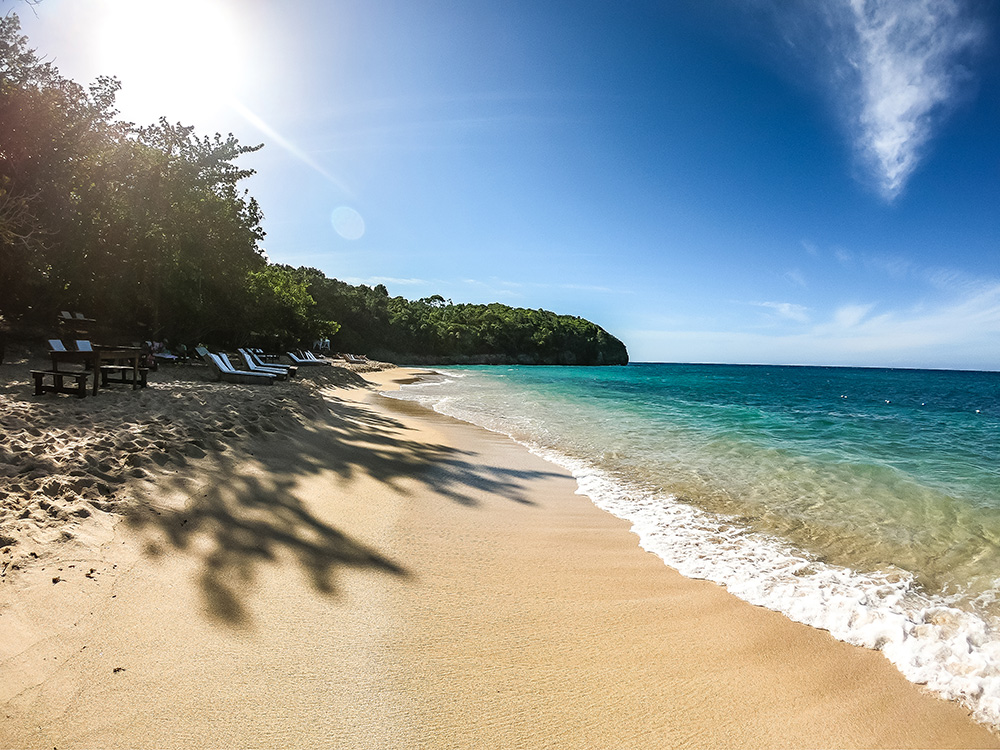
(254, 364)
(271, 361)
(75, 322)
(57, 345)
(160, 352)
(296, 359)
(224, 370)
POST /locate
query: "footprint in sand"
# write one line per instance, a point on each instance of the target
(53, 489)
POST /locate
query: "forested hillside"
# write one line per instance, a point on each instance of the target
(146, 229)
(433, 330)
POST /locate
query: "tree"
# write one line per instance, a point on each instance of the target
(146, 226)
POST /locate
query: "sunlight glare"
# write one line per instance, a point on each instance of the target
(178, 58)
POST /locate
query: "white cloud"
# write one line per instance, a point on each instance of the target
(789, 310)
(908, 58)
(796, 277)
(520, 285)
(963, 333)
(893, 69)
(845, 257)
(894, 266)
(376, 280)
(849, 316)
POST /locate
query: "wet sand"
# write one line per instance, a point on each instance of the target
(311, 564)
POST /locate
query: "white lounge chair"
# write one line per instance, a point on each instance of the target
(224, 370)
(296, 359)
(254, 364)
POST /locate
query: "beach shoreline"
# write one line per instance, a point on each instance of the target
(357, 571)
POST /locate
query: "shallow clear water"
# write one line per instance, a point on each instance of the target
(862, 501)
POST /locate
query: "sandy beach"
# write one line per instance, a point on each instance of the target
(311, 564)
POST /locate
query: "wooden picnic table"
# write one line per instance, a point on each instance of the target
(93, 360)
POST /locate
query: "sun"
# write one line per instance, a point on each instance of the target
(182, 59)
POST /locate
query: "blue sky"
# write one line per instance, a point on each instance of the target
(778, 181)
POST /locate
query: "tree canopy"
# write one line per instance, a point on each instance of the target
(433, 330)
(146, 226)
(143, 225)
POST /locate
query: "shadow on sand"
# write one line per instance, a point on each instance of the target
(235, 520)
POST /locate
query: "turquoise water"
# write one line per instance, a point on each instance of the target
(862, 501)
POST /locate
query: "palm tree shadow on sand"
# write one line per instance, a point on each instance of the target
(235, 521)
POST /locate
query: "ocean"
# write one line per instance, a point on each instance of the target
(862, 501)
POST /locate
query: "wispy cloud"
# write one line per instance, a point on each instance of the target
(849, 316)
(909, 59)
(795, 276)
(798, 313)
(844, 257)
(375, 280)
(521, 285)
(962, 332)
(893, 69)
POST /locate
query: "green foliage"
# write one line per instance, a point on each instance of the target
(141, 225)
(435, 330)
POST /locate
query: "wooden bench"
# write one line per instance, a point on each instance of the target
(80, 389)
(124, 374)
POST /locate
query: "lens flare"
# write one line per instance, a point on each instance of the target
(347, 223)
